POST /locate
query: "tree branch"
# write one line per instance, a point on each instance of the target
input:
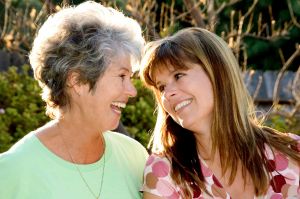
(224, 5)
(294, 20)
(281, 72)
(195, 12)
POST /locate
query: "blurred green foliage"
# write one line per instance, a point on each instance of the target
(284, 124)
(138, 116)
(22, 109)
(268, 31)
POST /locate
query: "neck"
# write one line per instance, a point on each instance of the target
(204, 145)
(78, 132)
(64, 139)
(80, 119)
(80, 143)
(202, 132)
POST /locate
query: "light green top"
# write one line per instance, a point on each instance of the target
(30, 171)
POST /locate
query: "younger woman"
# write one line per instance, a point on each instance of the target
(207, 141)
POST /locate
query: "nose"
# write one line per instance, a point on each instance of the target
(131, 90)
(169, 92)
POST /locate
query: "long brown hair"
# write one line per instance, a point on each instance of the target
(235, 128)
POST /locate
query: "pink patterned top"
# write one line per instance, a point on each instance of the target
(284, 183)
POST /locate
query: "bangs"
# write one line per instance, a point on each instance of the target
(167, 55)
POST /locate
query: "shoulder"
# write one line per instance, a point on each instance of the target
(158, 159)
(294, 144)
(284, 169)
(121, 139)
(19, 150)
(158, 166)
(296, 138)
(157, 177)
(126, 146)
(15, 162)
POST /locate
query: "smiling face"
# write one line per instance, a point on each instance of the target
(187, 96)
(101, 107)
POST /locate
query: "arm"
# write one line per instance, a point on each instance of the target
(158, 183)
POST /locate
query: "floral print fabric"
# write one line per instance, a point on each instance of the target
(284, 182)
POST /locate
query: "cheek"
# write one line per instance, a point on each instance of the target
(211, 97)
(166, 106)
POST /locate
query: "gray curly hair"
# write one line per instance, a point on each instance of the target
(85, 39)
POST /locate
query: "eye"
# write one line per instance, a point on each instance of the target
(122, 76)
(161, 88)
(178, 75)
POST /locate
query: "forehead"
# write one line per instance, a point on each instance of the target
(120, 62)
(169, 59)
(168, 68)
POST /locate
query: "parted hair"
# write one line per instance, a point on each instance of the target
(236, 132)
(82, 39)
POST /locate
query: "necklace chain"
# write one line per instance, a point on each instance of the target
(80, 173)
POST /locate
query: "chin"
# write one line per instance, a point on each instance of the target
(114, 127)
(185, 125)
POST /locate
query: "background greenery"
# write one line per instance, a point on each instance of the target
(263, 34)
(22, 109)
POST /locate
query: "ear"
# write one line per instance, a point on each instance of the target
(73, 82)
(72, 79)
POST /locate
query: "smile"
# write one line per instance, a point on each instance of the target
(182, 104)
(117, 106)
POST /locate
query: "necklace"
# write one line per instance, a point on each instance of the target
(80, 173)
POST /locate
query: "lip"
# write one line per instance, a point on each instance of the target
(182, 104)
(117, 106)
(116, 110)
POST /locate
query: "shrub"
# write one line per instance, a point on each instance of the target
(22, 110)
(21, 107)
(138, 116)
(284, 124)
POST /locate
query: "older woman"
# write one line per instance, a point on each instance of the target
(82, 58)
(207, 142)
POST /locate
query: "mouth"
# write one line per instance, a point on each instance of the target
(182, 104)
(118, 106)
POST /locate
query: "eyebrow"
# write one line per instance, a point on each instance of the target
(124, 69)
(127, 70)
(171, 73)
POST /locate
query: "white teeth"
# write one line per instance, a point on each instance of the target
(182, 104)
(119, 104)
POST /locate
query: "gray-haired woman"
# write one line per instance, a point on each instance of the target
(82, 58)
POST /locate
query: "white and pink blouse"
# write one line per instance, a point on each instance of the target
(284, 182)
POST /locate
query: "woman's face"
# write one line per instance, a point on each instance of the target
(103, 106)
(187, 96)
